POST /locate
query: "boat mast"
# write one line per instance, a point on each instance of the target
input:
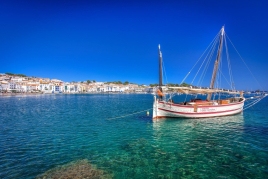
(216, 65)
(160, 69)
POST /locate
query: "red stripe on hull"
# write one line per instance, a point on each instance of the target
(162, 117)
(196, 113)
(185, 106)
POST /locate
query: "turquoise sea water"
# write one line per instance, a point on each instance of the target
(38, 133)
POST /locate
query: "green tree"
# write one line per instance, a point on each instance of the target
(22, 75)
(152, 85)
(9, 74)
(88, 81)
(126, 83)
(94, 81)
(185, 85)
(172, 84)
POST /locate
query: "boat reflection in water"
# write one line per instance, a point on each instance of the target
(206, 146)
(205, 126)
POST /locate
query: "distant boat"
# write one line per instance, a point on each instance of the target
(198, 108)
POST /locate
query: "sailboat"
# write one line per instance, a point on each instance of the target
(198, 108)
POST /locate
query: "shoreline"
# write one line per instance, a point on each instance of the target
(35, 94)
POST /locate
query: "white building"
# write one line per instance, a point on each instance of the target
(45, 87)
(4, 85)
(56, 87)
(71, 88)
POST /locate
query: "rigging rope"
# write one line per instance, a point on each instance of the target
(165, 76)
(224, 77)
(244, 62)
(199, 58)
(210, 54)
(208, 57)
(252, 103)
(229, 65)
(164, 71)
(129, 114)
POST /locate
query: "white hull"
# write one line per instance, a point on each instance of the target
(162, 109)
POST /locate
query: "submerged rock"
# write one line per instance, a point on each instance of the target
(80, 169)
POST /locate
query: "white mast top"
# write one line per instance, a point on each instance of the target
(160, 53)
(222, 30)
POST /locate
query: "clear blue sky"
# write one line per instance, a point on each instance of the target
(107, 41)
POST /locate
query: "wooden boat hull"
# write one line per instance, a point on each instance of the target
(163, 109)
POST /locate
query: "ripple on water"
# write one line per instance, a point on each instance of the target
(43, 136)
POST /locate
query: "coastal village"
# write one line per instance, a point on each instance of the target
(11, 83)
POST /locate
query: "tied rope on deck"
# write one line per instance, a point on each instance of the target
(129, 114)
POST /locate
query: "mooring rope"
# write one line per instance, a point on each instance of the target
(129, 114)
(252, 103)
